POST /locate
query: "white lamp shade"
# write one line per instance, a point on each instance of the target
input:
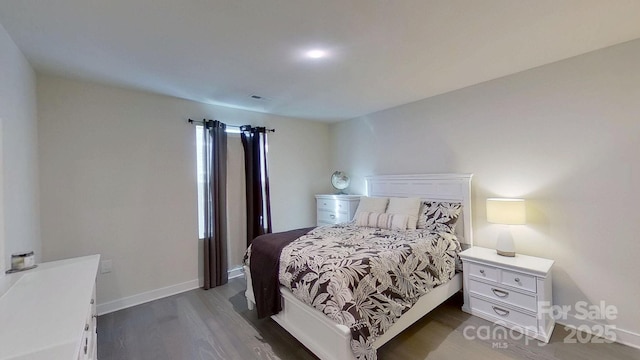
(506, 211)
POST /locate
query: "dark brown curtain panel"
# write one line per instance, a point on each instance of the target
(254, 141)
(215, 204)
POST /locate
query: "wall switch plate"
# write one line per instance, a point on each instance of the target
(106, 266)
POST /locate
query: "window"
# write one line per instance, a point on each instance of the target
(201, 173)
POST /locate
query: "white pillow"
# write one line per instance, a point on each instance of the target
(406, 206)
(382, 220)
(371, 204)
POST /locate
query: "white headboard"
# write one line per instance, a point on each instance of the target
(442, 187)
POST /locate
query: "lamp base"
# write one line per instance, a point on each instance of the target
(505, 245)
(506, 253)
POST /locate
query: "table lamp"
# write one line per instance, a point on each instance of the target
(506, 212)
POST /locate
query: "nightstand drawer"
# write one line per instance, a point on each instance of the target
(333, 217)
(484, 272)
(519, 280)
(508, 296)
(503, 313)
(333, 205)
(324, 223)
(335, 209)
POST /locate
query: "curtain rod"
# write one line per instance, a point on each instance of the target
(201, 122)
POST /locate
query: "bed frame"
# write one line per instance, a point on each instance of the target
(329, 340)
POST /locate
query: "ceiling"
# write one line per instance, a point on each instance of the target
(382, 53)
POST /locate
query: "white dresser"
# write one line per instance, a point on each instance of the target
(335, 209)
(508, 290)
(50, 312)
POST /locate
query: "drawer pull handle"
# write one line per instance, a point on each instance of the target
(517, 280)
(86, 345)
(332, 216)
(92, 301)
(482, 272)
(501, 312)
(86, 327)
(500, 293)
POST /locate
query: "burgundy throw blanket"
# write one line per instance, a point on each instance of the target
(264, 265)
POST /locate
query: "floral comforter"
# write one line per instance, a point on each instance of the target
(366, 278)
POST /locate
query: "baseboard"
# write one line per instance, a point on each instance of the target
(144, 297)
(622, 336)
(236, 272)
(156, 294)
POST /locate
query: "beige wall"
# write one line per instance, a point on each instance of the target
(118, 177)
(19, 202)
(565, 136)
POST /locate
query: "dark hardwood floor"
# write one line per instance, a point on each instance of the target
(216, 324)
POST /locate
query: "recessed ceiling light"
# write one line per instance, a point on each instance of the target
(316, 54)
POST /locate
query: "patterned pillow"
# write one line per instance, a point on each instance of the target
(382, 220)
(439, 216)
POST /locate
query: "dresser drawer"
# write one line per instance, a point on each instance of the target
(483, 272)
(519, 280)
(503, 313)
(515, 298)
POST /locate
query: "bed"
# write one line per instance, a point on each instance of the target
(329, 340)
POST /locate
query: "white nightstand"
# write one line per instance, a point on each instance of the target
(335, 209)
(508, 290)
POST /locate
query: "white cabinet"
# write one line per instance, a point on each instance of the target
(336, 209)
(510, 291)
(49, 312)
(88, 346)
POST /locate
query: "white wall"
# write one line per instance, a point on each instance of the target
(118, 177)
(565, 136)
(19, 200)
